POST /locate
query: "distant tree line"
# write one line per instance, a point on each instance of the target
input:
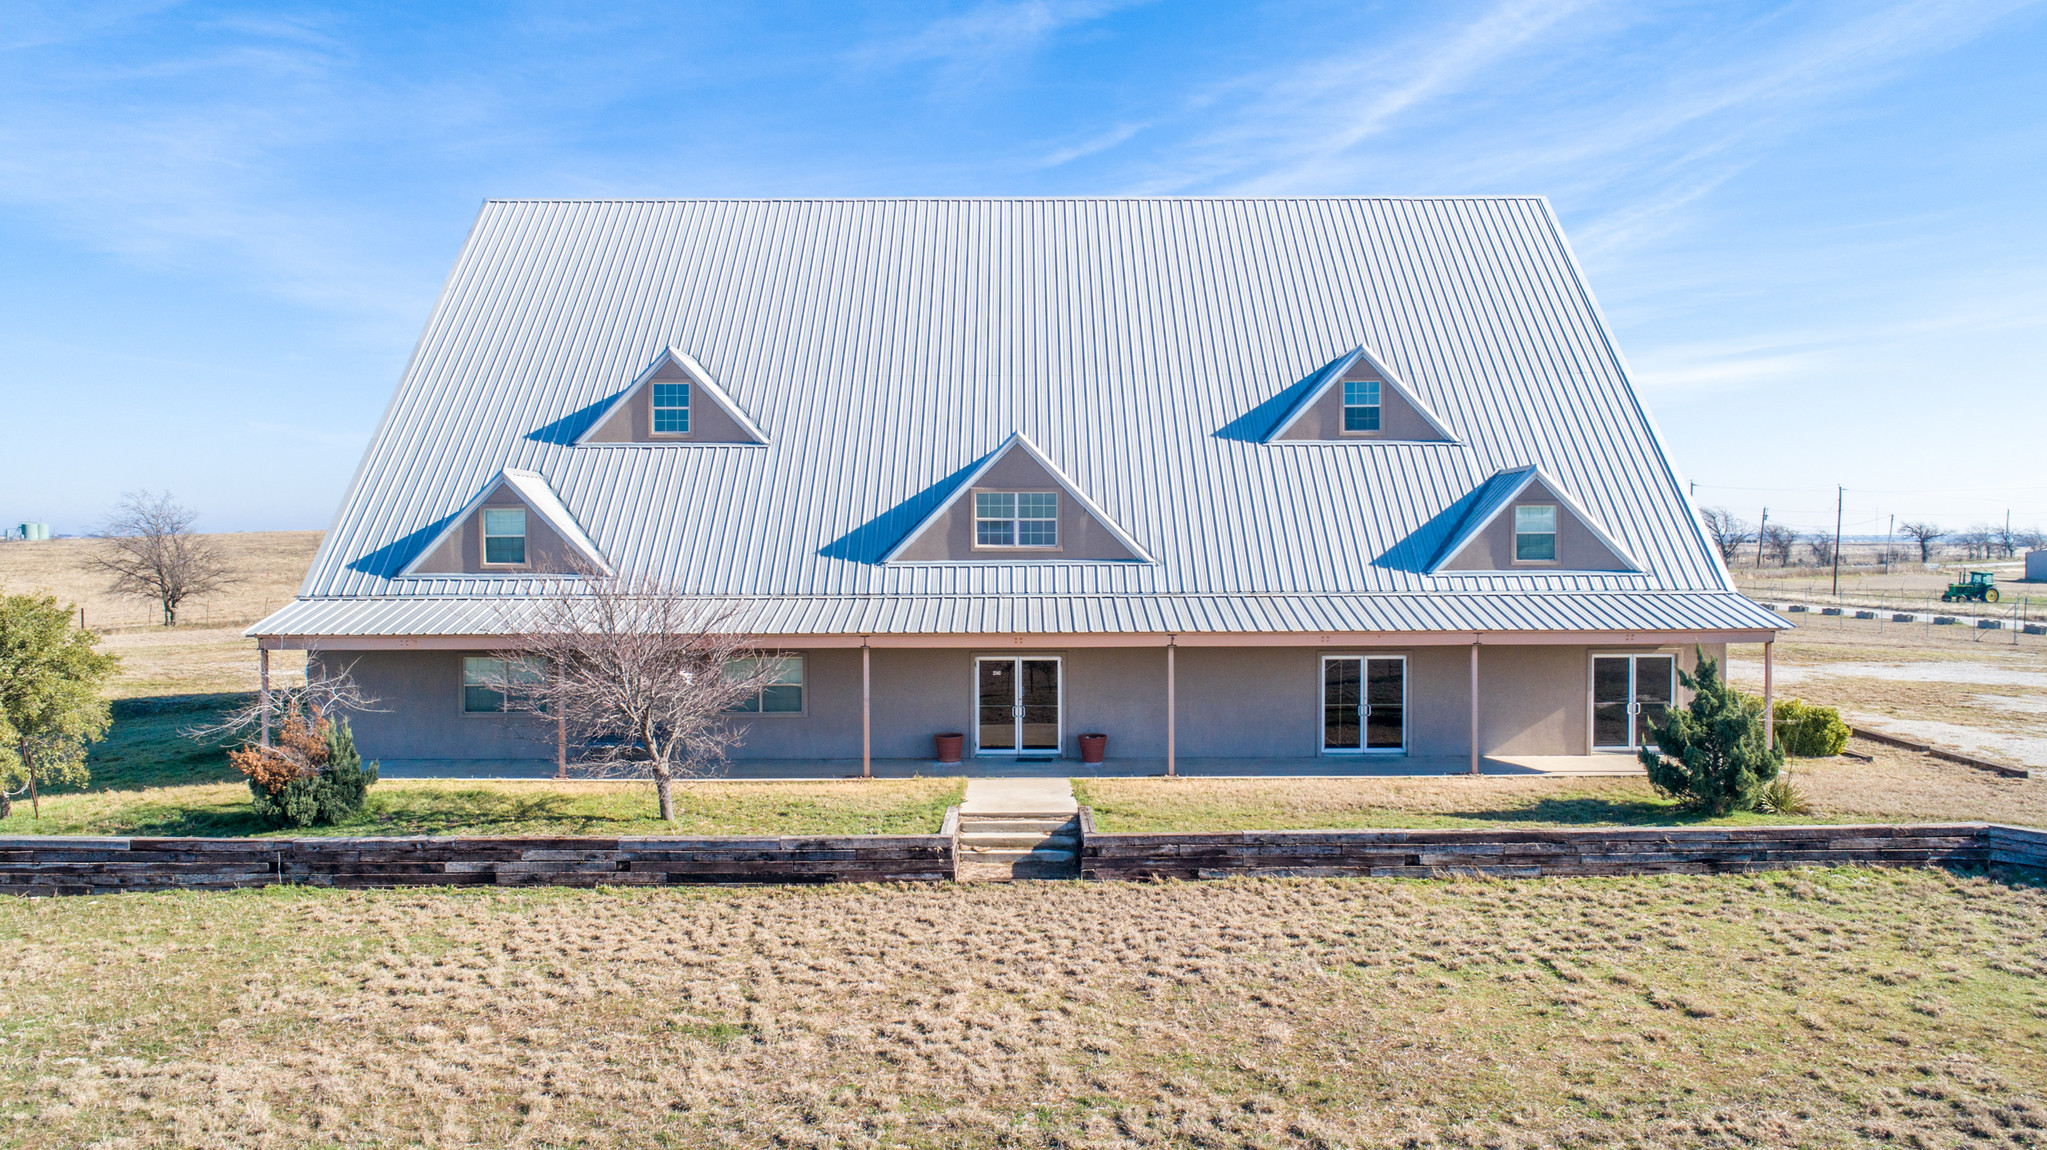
(1741, 545)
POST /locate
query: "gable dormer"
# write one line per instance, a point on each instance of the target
(1357, 399)
(515, 526)
(1017, 507)
(1524, 521)
(674, 402)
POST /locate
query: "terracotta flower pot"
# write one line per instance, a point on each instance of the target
(1093, 748)
(950, 745)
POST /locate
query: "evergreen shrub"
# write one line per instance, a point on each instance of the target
(312, 777)
(1806, 731)
(1711, 752)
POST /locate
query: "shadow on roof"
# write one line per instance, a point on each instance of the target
(565, 431)
(1254, 425)
(872, 540)
(1415, 552)
(388, 561)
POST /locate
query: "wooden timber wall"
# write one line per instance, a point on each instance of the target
(1532, 853)
(51, 864)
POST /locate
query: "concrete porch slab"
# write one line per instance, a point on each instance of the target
(1049, 796)
(1326, 766)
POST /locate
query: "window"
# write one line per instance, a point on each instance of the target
(1016, 519)
(671, 409)
(487, 682)
(504, 535)
(782, 694)
(1361, 405)
(1535, 534)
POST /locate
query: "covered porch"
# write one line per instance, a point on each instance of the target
(1327, 766)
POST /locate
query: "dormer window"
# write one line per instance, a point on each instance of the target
(1016, 519)
(671, 409)
(1535, 534)
(504, 536)
(1360, 405)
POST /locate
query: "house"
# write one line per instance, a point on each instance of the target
(1220, 478)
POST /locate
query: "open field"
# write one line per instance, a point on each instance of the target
(1897, 787)
(1906, 583)
(269, 565)
(441, 807)
(1984, 692)
(1814, 1008)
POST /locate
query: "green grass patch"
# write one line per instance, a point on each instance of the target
(442, 807)
(147, 746)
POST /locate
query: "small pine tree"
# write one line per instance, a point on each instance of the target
(1712, 752)
(312, 777)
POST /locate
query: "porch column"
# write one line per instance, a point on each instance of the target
(1474, 705)
(263, 688)
(866, 709)
(1769, 697)
(1172, 686)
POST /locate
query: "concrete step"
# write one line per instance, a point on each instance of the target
(1016, 825)
(1026, 839)
(973, 869)
(1015, 856)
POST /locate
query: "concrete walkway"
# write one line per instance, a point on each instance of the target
(988, 797)
(1326, 766)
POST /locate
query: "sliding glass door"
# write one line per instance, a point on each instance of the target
(1630, 693)
(1017, 705)
(1364, 703)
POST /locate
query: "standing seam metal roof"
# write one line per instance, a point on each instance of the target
(1146, 346)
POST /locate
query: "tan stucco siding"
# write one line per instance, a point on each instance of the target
(1578, 549)
(462, 550)
(634, 423)
(950, 538)
(1397, 420)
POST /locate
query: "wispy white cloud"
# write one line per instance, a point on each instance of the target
(976, 40)
(1092, 145)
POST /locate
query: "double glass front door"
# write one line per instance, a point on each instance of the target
(1017, 704)
(1629, 693)
(1364, 703)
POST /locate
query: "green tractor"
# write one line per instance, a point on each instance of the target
(1981, 587)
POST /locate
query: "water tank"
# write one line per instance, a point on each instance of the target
(34, 530)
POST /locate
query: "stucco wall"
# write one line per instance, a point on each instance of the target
(1397, 420)
(1578, 549)
(1233, 702)
(634, 423)
(463, 549)
(951, 537)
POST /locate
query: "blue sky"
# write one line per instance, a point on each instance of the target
(1816, 228)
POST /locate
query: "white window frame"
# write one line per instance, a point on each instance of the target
(1016, 520)
(1677, 691)
(1377, 407)
(1555, 534)
(1364, 683)
(503, 712)
(688, 408)
(525, 537)
(802, 685)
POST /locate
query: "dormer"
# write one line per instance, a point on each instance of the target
(515, 526)
(1017, 507)
(1357, 399)
(673, 403)
(1524, 522)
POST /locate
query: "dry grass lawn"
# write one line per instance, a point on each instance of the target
(1816, 1008)
(1897, 787)
(269, 564)
(442, 807)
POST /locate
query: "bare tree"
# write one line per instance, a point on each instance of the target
(1976, 542)
(1821, 548)
(1729, 532)
(1778, 543)
(151, 551)
(641, 677)
(1925, 535)
(327, 691)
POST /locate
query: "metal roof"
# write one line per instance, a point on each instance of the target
(1504, 489)
(1145, 347)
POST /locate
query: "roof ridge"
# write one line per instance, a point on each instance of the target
(1524, 198)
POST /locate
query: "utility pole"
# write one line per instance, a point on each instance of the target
(1889, 534)
(1761, 529)
(2006, 541)
(1839, 492)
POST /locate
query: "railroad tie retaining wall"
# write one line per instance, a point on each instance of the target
(52, 864)
(1533, 853)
